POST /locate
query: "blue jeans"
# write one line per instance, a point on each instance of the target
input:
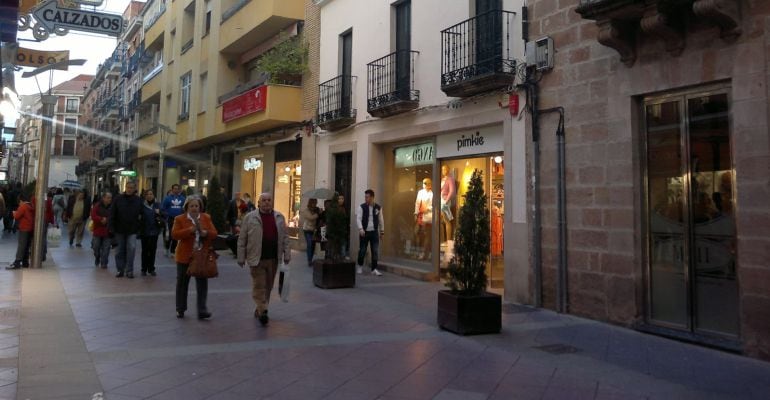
(101, 247)
(124, 258)
(370, 238)
(310, 246)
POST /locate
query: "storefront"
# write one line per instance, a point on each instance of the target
(425, 181)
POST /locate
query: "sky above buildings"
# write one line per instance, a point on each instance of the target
(82, 45)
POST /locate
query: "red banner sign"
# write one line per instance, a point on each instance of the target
(248, 103)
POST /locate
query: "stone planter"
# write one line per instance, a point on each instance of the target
(470, 315)
(329, 274)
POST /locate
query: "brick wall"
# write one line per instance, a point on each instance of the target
(600, 94)
(310, 78)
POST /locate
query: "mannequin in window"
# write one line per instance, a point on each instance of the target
(448, 191)
(423, 217)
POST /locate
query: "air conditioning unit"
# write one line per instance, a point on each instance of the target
(540, 53)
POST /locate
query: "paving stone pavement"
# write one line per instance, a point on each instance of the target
(72, 331)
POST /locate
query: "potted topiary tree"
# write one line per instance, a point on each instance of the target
(467, 308)
(333, 271)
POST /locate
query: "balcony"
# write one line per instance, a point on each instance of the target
(155, 22)
(107, 156)
(151, 82)
(84, 167)
(133, 28)
(390, 84)
(621, 22)
(477, 55)
(246, 23)
(281, 105)
(335, 98)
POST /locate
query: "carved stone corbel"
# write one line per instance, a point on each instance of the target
(659, 24)
(725, 13)
(618, 36)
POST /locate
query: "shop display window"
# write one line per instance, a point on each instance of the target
(408, 205)
(288, 193)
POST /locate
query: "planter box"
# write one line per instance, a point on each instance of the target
(332, 275)
(470, 315)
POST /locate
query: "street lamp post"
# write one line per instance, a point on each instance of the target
(43, 161)
(162, 156)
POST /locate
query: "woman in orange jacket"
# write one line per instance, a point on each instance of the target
(25, 221)
(194, 230)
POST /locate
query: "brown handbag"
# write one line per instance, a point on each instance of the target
(203, 263)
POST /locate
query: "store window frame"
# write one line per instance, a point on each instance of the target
(72, 105)
(70, 126)
(690, 330)
(185, 87)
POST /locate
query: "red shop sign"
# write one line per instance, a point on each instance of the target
(248, 103)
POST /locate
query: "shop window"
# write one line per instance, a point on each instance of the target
(408, 204)
(288, 193)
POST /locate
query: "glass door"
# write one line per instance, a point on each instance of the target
(690, 214)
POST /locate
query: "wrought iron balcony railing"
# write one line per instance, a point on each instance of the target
(390, 84)
(477, 55)
(335, 99)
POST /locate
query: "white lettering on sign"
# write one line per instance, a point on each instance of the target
(488, 139)
(251, 164)
(420, 154)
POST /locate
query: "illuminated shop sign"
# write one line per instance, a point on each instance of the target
(476, 141)
(419, 154)
(251, 164)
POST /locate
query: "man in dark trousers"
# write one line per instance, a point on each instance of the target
(124, 224)
(263, 241)
(371, 227)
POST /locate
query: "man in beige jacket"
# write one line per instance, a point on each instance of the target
(263, 241)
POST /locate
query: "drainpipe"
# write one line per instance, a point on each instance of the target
(537, 228)
(561, 199)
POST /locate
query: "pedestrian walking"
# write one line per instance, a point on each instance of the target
(25, 218)
(124, 224)
(371, 227)
(149, 231)
(11, 203)
(193, 230)
(59, 206)
(172, 208)
(76, 215)
(309, 218)
(101, 242)
(262, 242)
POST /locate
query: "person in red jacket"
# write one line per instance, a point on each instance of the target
(25, 221)
(101, 242)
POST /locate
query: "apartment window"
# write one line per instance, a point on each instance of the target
(204, 92)
(72, 105)
(207, 19)
(68, 147)
(70, 126)
(184, 97)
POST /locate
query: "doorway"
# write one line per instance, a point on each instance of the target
(455, 174)
(692, 248)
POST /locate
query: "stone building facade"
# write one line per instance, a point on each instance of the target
(658, 240)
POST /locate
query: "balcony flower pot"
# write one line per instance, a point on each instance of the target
(467, 308)
(334, 271)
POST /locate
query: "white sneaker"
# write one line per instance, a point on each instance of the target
(376, 273)
(360, 270)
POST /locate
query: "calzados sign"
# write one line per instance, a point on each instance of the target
(51, 16)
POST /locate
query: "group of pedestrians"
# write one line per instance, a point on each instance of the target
(262, 243)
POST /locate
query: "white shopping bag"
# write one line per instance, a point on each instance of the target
(53, 237)
(283, 282)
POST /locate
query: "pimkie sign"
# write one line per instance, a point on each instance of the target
(51, 16)
(247, 103)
